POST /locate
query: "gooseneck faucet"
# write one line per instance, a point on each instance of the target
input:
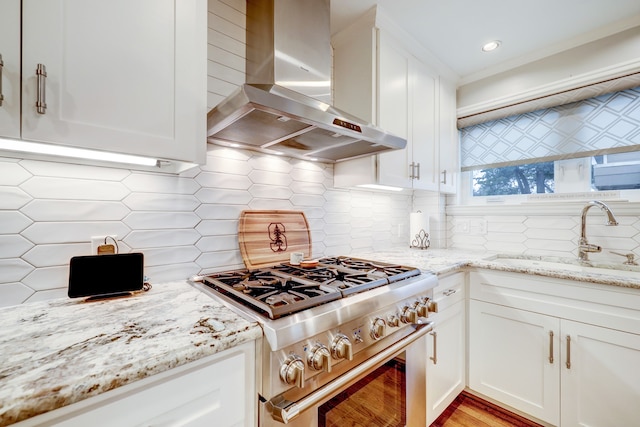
(584, 247)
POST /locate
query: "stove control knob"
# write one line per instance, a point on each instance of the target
(409, 315)
(378, 328)
(292, 371)
(422, 307)
(341, 347)
(319, 358)
(393, 321)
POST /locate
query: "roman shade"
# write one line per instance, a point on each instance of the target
(604, 124)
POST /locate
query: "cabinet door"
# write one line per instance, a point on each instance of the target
(601, 386)
(448, 140)
(514, 359)
(423, 127)
(219, 392)
(393, 108)
(10, 55)
(121, 76)
(446, 363)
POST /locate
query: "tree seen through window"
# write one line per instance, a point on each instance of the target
(521, 179)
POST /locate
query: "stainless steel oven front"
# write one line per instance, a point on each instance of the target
(368, 349)
(385, 385)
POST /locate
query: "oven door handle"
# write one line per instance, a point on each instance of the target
(283, 410)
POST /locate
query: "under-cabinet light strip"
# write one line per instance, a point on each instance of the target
(78, 153)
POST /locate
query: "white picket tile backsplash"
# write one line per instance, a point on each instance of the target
(74, 210)
(270, 178)
(47, 187)
(546, 234)
(44, 278)
(159, 220)
(140, 239)
(270, 192)
(13, 221)
(12, 197)
(13, 246)
(13, 270)
(13, 174)
(160, 184)
(161, 202)
(72, 232)
(221, 180)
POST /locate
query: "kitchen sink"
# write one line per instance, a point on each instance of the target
(609, 269)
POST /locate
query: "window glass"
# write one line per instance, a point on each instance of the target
(522, 179)
(620, 171)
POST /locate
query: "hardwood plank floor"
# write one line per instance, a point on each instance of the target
(470, 411)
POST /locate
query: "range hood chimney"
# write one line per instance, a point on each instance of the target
(284, 107)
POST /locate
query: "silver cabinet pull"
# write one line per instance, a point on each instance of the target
(551, 347)
(1, 67)
(412, 175)
(568, 352)
(41, 102)
(449, 292)
(418, 175)
(434, 358)
(444, 177)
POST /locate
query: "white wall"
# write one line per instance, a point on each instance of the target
(185, 224)
(615, 55)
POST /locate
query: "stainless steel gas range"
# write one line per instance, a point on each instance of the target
(332, 331)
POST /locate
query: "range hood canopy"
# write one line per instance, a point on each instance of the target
(284, 106)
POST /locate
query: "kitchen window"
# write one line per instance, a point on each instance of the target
(598, 139)
(617, 171)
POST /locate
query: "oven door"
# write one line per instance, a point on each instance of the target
(386, 389)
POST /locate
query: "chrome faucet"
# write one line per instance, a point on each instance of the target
(584, 247)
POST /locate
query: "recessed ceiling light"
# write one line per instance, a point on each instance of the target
(492, 45)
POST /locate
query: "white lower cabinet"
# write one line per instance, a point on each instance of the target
(601, 387)
(446, 346)
(216, 391)
(561, 351)
(509, 359)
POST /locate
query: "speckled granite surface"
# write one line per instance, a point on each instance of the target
(59, 352)
(62, 351)
(443, 261)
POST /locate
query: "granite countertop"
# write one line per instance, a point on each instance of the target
(444, 261)
(58, 352)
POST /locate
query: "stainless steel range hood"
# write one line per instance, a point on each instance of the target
(284, 106)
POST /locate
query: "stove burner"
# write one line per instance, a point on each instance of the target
(285, 288)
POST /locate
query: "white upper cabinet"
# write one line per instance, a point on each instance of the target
(10, 68)
(448, 139)
(378, 79)
(118, 76)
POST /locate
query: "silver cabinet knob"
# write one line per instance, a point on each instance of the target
(292, 371)
(378, 328)
(319, 358)
(341, 348)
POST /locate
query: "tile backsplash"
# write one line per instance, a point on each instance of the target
(554, 231)
(183, 224)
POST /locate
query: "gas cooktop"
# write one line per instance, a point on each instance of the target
(285, 289)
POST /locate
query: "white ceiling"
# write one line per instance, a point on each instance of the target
(455, 30)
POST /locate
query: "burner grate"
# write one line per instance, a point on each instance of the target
(285, 289)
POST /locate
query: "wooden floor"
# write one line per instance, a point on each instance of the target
(470, 411)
